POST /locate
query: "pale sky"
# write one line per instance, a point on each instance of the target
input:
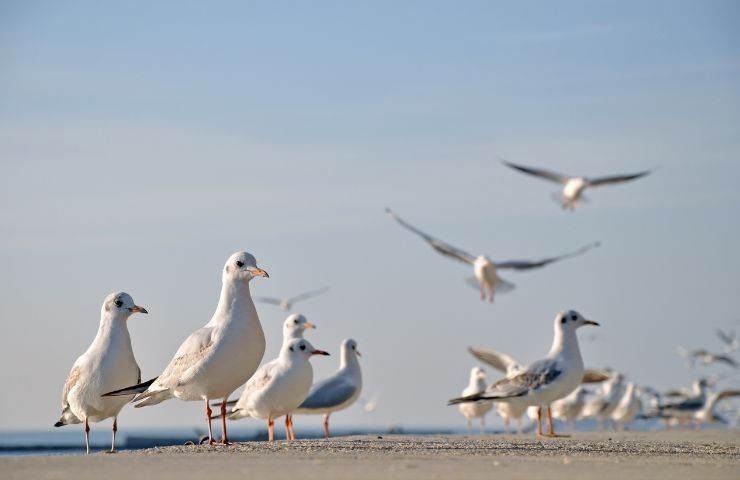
(142, 143)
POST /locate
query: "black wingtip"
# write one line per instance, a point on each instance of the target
(59, 424)
(132, 390)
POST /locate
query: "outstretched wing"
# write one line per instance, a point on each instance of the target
(538, 172)
(725, 337)
(272, 300)
(529, 264)
(726, 359)
(600, 181)
(499, 361)
(438, 245)
(304, 296)
(728, 394)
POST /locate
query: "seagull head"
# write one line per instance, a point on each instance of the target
(295, 325)
(242, 267)
(350, 347)
(301, 348)
(570, 319)
(120, 304)
(477, 373)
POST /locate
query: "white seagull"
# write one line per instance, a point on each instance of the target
(546, 380)
(476, 384)
(279, 386)
(219, 357)
(705, 357)
(486, 277)
(606, 402)
(707, 413)
(685, 409)
(628, 407)
(573, 187)
(338, 391)
(287, 303)
(568, 409)
(108, 363)
(511, 367)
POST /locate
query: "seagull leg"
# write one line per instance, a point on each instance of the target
(224, 435)
(211, 440)
(270, 429)
(289, 433)
(539, 421)
(115, 429)
(326, 425)
(469, 423)
(506, 423)
(482, 425)
(519, 425)
(551, 430)
(87, 436)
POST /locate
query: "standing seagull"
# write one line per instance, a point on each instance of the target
(219, 357)
(477, 384)
(628, 407)
(573, 187)
(602, 407)
(546, 380)
(485, 270)
(338, 391)
(287, 303)
(108, 363)
(568, 409)
(279, 386)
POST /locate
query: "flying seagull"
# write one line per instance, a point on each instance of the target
(486, 277)
(573, 187)
(287, 303)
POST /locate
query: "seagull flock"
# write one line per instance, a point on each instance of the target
(215, 360)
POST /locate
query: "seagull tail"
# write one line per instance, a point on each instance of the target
(67, 418)
(133, 389)
(229, 403)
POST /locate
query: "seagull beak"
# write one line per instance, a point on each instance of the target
(257, 272)
(591, 322)
(358, 353)
(137, 309)
(309, 325)
(320, 352)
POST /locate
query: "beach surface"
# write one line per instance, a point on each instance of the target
(602, 455)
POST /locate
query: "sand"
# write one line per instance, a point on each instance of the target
(602, 455)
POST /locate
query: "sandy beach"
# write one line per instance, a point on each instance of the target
(604, 455)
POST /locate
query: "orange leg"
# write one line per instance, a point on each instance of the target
(224, 435)
(211, 440)
(270, 429)
(326, 425)
(539, 421)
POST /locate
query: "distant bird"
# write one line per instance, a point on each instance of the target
(602, 407)
(486, 277)
(573, 187)
(219, 357)
(628, 407)
(279, 386)
(686, 408)
(287, 303)
(108, 363)
(546, 380)
(339, 391)
(730, 339)
(568, 409)
(476, 384)
(707, 413)
(705, 358)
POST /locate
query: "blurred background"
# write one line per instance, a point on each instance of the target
(141, 143)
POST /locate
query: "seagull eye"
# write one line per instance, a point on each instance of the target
(118, 303)
(295, 321)
(291, 349)
(563, 320)
(302, 347)
(573, 318)
(239, 263)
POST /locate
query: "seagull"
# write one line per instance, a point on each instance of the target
(508, 365)
(730, 340)
(107, 363)
(217, 358)
(477, 384)
(287, 303)
(486, 277)
(338, 391)
(628, 407)
(606, 402)
(546, 380)
(568, 409)
(706, 358)
(707, 413)
(573, 187)
(279, 386)
(684, 409)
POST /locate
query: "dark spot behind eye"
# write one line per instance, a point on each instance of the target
(573, 317)
(118, 303)
(239, 263)
(303, 347)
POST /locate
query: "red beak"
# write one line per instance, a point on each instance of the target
(319, 352)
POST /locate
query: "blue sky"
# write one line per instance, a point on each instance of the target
(141, 144)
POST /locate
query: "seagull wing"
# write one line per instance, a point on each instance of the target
(438, 245)
(594, 376)
(538, 172)
(600, 181)
(304, 296)
(728, 394)
(529, 264)
(726, 359)
(272, 300)
(499, 361)
(331, 392)
(727, 339)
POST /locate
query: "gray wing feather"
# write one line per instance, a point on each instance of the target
(529, 264)
(597, 182)
(304, 296)
(329, 393)
(538, 172)
(438, 245)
